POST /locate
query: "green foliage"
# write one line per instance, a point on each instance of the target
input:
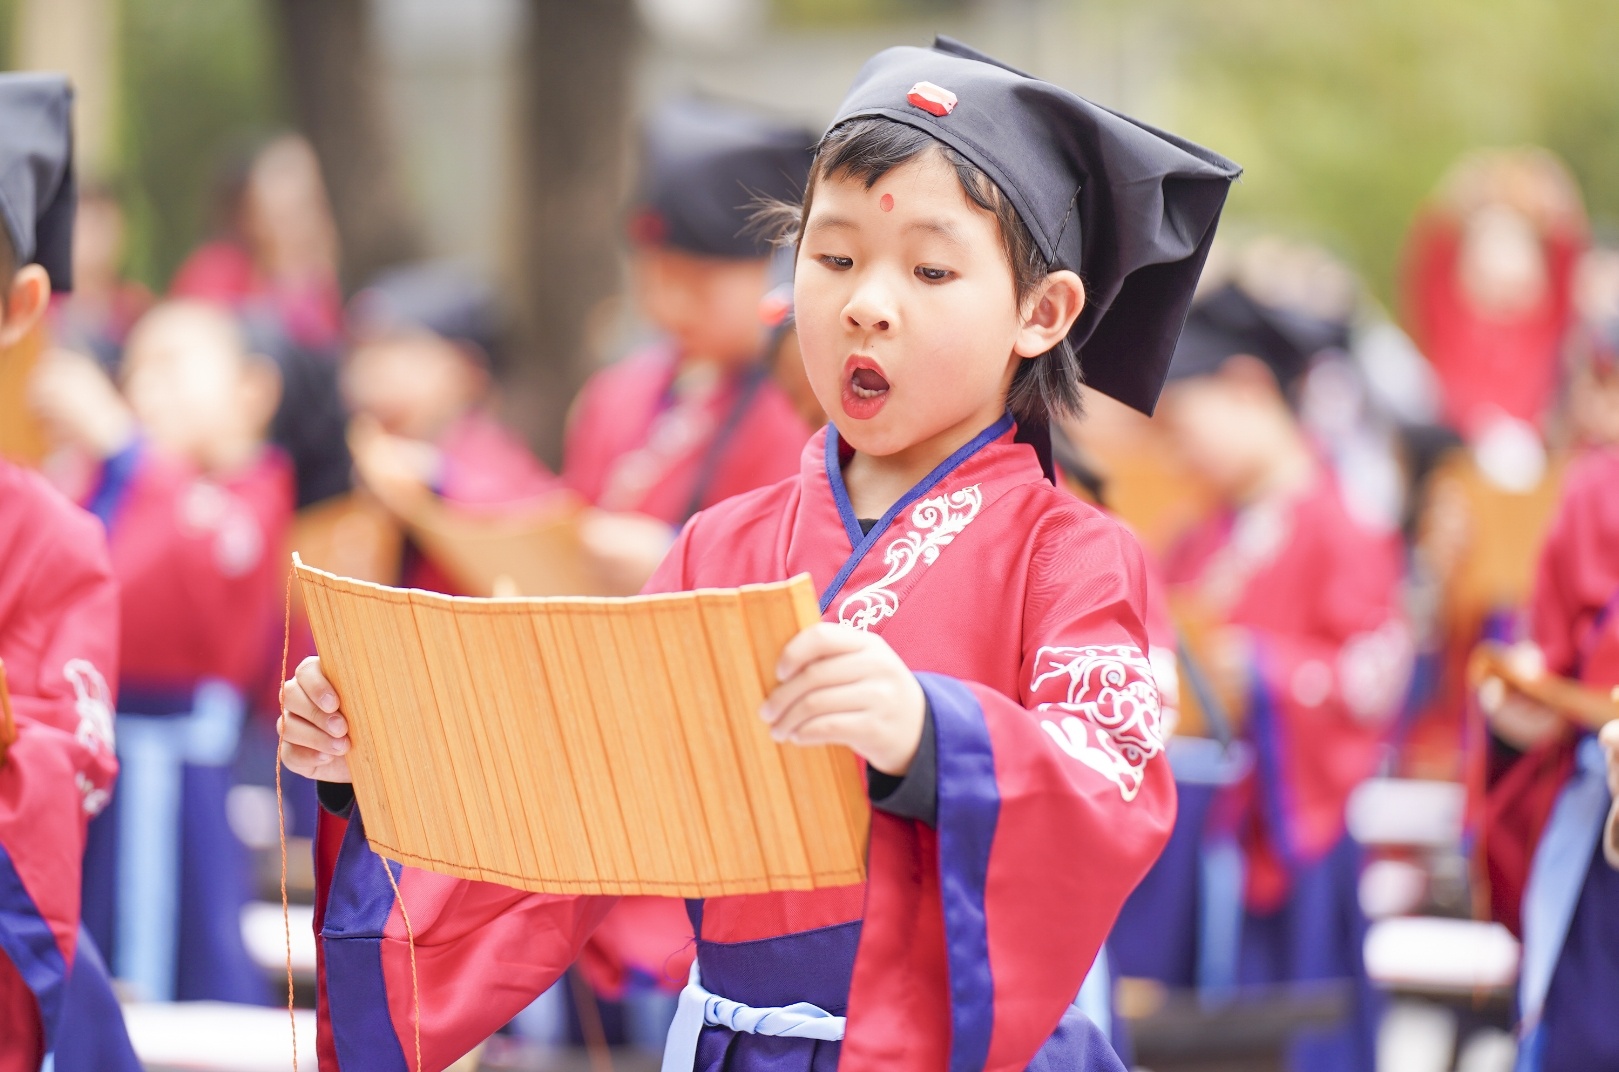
(199, 81)
(855, 12)
(1346, 112)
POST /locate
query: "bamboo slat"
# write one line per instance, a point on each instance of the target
(586, 745)
(8, 725)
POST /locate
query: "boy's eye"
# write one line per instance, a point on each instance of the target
(932, 275)
(836, 263)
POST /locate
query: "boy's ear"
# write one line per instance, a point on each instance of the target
(26, 300)
(1049, 313)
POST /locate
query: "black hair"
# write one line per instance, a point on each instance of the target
(868, 149)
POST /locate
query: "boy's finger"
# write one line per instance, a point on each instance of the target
(306, 734)
(817, 642)
(314, 683)
(820, 674)
(837, 727)
(844, 698)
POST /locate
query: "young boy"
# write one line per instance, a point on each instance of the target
(697, 417)
(58, 645)
(1305, 639)
(984, 648)
(196, 508)
(1551, 864)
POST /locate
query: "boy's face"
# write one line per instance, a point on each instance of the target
(708, 305)
(906, 308)
(1219, 423)
(192, 389)
(414, 384)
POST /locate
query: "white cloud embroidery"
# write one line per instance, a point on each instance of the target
(935, 523)
(92, 701)
(1111, 718)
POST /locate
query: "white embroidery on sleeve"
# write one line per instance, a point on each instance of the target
(1111, 717)
(92, 701)
(935, 524)
(1374, 671)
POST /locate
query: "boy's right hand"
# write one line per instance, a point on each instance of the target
(314, 733)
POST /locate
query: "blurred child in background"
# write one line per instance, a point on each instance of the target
(58, 649)
(275, 250)
(196, 508)
(1291, 604)
(696, 418)
(1489, 273)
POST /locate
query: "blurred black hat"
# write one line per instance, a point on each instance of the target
(1229, 321)
(1131, 208)
(704, 167)
(445, 298)
(36, 171)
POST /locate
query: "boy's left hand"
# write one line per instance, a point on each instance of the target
(841, 685)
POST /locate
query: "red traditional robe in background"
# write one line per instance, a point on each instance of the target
(199, 564)
(1487, 365)
(59, 642)
(643, 438)
(1021, 610)
(1317, 593)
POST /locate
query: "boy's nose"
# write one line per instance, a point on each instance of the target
(865, 313)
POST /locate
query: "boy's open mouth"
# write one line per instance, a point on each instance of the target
(865, 388)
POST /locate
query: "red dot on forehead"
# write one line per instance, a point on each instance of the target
(886, 202)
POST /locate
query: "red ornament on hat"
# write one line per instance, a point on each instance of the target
(935, 100)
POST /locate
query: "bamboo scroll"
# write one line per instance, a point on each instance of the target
(586, 745)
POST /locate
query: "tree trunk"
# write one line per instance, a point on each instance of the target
(573, 99)
(333, 80)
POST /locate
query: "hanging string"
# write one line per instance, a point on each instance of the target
(280, 808)
(410, 942)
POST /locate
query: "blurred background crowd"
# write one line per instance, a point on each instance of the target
(394, 238)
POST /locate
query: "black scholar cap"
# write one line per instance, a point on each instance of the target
(704, 167)
(37, 195)
(444, 298)
(1230, 321)
(1130, 208)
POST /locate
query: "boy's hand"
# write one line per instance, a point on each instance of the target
(79, 405)
(626, 549)
(840, 685)
(315, 740)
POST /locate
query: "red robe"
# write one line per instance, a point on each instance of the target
(1022, 611)
(1317, 593)
(1486, 365)
(639, 441)
(59, 642)
(199, 564)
